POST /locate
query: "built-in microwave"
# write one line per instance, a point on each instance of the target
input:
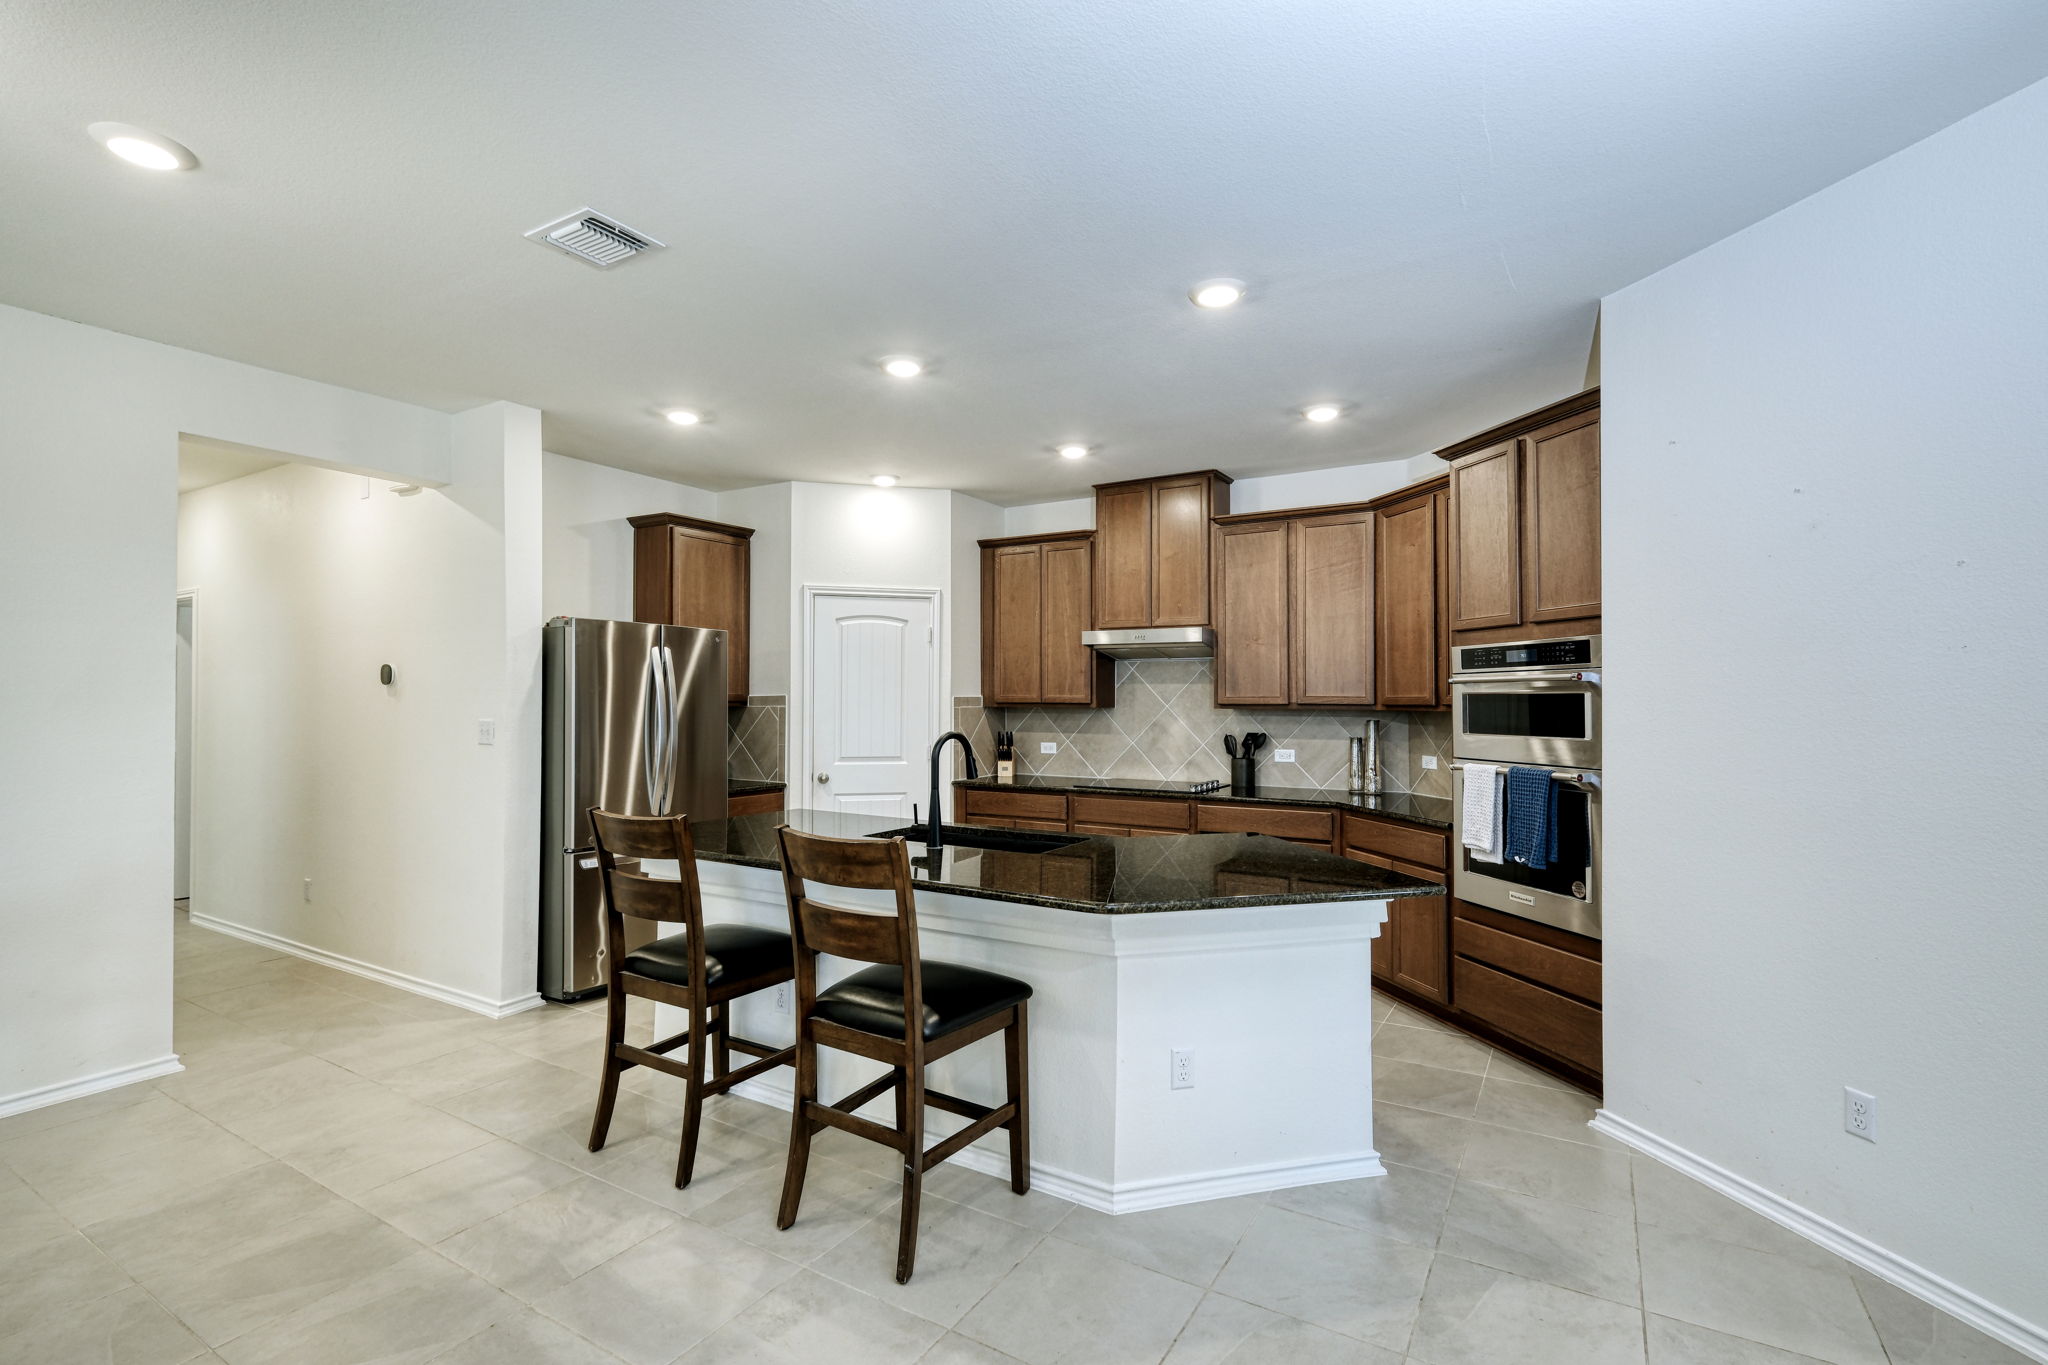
(1533, 701)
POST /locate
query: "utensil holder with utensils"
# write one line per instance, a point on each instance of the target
(1244, 772)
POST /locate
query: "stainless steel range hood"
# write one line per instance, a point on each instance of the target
(1153, 642)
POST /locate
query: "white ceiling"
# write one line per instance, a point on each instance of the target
(202, 463)
(1427, 198)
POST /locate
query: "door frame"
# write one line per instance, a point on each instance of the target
(187, 599)
(803, 707)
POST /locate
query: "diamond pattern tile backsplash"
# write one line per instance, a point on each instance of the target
(1166, 725)
(754, 739)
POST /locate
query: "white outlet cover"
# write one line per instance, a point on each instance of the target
(486, 731)
(1046, 746)
(1429, 761)
(1283, 755)
(1859, 1114)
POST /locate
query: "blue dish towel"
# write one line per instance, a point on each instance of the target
(1532, 817)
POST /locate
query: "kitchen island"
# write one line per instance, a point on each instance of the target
(1247, 953)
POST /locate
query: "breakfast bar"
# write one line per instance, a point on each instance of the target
(1200, 1018)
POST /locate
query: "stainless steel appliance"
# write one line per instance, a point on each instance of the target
(1535, 703)
(633, 722)
(1153, 642)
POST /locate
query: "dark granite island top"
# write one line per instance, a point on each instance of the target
(1094, 874)
(1434, 812)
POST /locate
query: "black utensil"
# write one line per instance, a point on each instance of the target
(1230, 745)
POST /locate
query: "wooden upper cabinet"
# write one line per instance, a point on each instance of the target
(1037, 595)
(1561, 519)
(1525, 522)
(1123, 556)
(1252, 663)
(1486, 538)
(1067, 668)
(1332, 609)
(1152, 550)
(1012, 630)
(692, 572)
(1412, 663)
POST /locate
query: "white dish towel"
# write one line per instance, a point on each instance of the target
(1485, 812)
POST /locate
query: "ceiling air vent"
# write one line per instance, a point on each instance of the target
(592, 237)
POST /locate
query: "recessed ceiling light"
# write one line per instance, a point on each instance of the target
(140, 147)
(1217, 293)
(884, 481)
(683, 417)
(902, 367)
(1322, 412)
(1073, 452)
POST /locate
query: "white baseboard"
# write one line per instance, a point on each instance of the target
(43, 1096)
(1133, 1196)
(2029, 1339)
(433, 990)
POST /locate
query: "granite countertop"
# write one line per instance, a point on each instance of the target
(1096, 875)
(1434, 812)
(735, 787)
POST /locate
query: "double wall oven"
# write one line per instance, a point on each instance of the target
(1534, 703)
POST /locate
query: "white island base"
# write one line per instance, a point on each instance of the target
(1271, 1002)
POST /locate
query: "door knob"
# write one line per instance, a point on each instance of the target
(823, 778)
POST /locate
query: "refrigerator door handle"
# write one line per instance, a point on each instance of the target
(654, 723)
(671, 760)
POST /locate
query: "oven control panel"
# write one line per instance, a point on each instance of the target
(1575, 652)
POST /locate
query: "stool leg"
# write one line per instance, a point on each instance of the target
(693, 1095)
(608, 1086)
(911, 1107)
(799, 1126)
(722, 1060)
(1017, 1062)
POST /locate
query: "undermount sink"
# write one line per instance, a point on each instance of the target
(983, 836)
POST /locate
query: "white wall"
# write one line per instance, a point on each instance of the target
(767, 509)
(973, 521)
(415, 835)
(89, 424)
(587, 547)
(1826, 529)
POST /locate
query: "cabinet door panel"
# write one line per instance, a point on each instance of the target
(1406, 589)
(1486, 539)
(1331, 606)
(1123, 557)
(1561, 519)
(1251, 616)
(1017, 601)
(709, 588)
(1067, 667)
(1422, 946)
(1180, 552)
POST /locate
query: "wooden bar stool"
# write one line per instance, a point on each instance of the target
(865, 1014)
(701, 970)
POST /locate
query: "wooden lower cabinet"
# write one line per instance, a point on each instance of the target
(1418, 955)
(754, 803)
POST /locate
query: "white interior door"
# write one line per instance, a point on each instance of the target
(872, 679)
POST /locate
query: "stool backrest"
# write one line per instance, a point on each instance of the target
(863, 935)
(630, 893)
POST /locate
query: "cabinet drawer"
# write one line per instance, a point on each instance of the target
(1545, 1020)
(1539, 962)
(1305, 826)
(1393, 840)
(1416, 870)
(1132, 812)
(1024, 805)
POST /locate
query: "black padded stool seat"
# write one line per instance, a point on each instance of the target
(732, 952)
(871, 1000)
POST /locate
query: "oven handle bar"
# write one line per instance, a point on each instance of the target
(1588, 780)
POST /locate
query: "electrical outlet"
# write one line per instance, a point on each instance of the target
(782, 998)
(1046, 746)
(1429, 761)
(307, 891)
(486, 730)
(1859, 1114)
(1183, 1069)
(1283, 755)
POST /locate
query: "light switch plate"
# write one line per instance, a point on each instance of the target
(1046, 746)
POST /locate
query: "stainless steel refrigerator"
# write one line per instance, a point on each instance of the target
(634, 722)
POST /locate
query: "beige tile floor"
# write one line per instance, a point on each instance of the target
(347, 1173)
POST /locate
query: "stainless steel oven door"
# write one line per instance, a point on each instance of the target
(1567, 895)
(1538, 717)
